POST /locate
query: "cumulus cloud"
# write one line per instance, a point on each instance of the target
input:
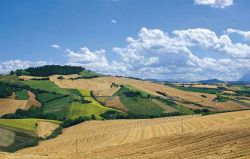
(95, 60)
(7, 66)
(215, 3)
(56, 46)
(156, 54)
(244, 34)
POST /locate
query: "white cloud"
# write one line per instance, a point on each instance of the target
(7, 66)
(215, 3)
(173, 53)
(92, 60)
(56, 46)
(160, 55)
(113, 21)
(245, 34)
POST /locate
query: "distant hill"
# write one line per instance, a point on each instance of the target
(245, 78)
(210, 81)
(48, 70)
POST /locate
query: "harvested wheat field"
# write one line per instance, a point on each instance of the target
(114, 102)
(44, 129)
(225, 135)
(25, 77)
(10, 105)
(204, 86)
(102, 87)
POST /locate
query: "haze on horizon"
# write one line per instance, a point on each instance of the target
(184, 39)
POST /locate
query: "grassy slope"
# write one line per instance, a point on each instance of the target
(59, 107)
(79, 109)
(45, 85)
(23, 124)
(141, 106)
(88, 73)
(46, 97)
(199, 90)
(24, 131)
(22, 95)
(138, 105)
(7, 137)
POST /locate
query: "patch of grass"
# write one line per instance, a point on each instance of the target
(75, 93)
(11, 79)
(22, 95)
(7, 137)
(126, 88)
(85, 93)
(89, 74)
(221, 98)
(184, 110)
(59, 107)
(45, 85)
(48, 97)
(93, 108)
(138, 102)
(200, 90)
(140, 105)
(22, 140)
(23, 124)
(79, 109)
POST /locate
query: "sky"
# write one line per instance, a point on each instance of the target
(157, 39)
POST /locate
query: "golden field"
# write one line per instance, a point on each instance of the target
(225, 135)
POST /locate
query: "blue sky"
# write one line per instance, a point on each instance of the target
(174, 39)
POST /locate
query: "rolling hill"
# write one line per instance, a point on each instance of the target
(224, 135)
(98, 112)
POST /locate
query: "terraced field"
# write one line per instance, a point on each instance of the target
(224, 135)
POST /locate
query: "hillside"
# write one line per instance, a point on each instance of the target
(53, 103)
(224, 135)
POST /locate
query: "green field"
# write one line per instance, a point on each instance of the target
(71, 107)
(59, 107)
(45, 85)
(47, 97)
(88, 109)
(7, 137)
(23, 124)
(85, 93)
(139, 101)
(19, 133)
(199, 90)
(22, 95)
(88, 74)
(10, 79)
(141, 106)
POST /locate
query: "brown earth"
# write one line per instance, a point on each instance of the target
(10, 105)
(114, 102)
(44, 129)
